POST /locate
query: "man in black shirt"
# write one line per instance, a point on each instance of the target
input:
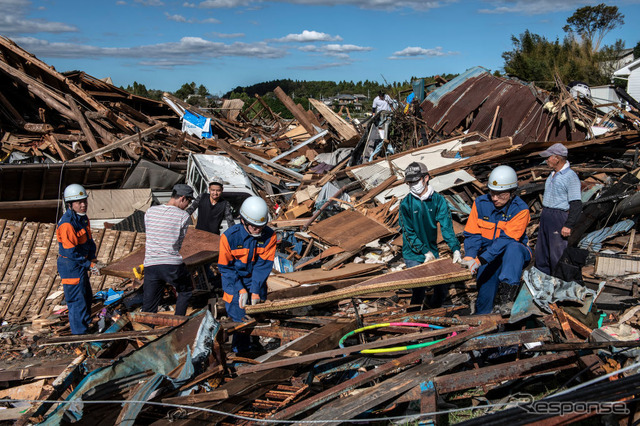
(212, 209)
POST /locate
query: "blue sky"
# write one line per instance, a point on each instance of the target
(227, 43)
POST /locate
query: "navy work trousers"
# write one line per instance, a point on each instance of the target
(155, 278)
(78, 298)
(551, 244)
(504, 269)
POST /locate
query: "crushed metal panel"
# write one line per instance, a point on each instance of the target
(192, 341)
(350, 230)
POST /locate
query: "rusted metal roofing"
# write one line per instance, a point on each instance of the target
(472, 99)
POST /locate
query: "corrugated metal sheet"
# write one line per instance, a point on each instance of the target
(478, 94)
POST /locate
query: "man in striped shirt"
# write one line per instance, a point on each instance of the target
(562, 206)
(166, 226)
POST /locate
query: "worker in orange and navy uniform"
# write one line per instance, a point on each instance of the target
(76, 256)
(245, 261)
(495, 242)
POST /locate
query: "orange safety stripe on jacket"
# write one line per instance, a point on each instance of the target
(516, 226)
(71, 281)
(268, 252)
(68, 236)
(226, 256)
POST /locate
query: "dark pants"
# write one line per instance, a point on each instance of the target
(155, 278)
(551, 244)
(504, 269)
(78, 298)
(417, 294)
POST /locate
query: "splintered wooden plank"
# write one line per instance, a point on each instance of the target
(318, 275)
(350, 230)
(352, 405)
(436, 272)
(346, 131)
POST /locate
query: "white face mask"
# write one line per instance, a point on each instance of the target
(418, 187)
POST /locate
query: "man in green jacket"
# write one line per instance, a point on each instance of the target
(420, 212)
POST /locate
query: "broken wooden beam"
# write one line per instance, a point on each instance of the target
(120, 144)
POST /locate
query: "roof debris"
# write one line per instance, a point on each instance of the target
(337, 340)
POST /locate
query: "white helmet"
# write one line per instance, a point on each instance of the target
(74, 192)
(503, 178)
(254, 210)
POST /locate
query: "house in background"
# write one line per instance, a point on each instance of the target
(631, 73)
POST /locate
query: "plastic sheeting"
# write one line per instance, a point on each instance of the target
(197, 125)
(593, 240)
(546, 289)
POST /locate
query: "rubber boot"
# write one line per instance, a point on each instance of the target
(505, 297)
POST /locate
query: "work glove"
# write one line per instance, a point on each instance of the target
(95, 268)
(457, 257)
(255, 298)
(428, 257)
(472, 264)
(242, 298)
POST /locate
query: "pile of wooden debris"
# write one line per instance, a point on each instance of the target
(337, 341)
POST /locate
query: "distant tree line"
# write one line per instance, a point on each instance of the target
(580, 56)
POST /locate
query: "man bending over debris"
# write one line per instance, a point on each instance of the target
(166, 227)
(76, 256)
(562, 205)
(245, 261)
(495, 242)
(420, 213)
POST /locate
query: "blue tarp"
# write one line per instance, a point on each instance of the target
(196, 124)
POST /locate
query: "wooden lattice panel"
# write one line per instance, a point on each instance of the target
(29, 280)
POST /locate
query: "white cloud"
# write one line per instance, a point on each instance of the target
(187, 49)
(227, 35)
(182, 19)
(337, 50)
(13, 20)
(320, 66)
(121, 3)
(175, 18)
(419, 52)
(154, 3)
(362, 4)
(307, 36)
(530, 7)
(224, 4)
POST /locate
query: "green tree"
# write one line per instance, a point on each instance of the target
(594, 22)
(534, 58)
(636, 51)
(186, 90)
